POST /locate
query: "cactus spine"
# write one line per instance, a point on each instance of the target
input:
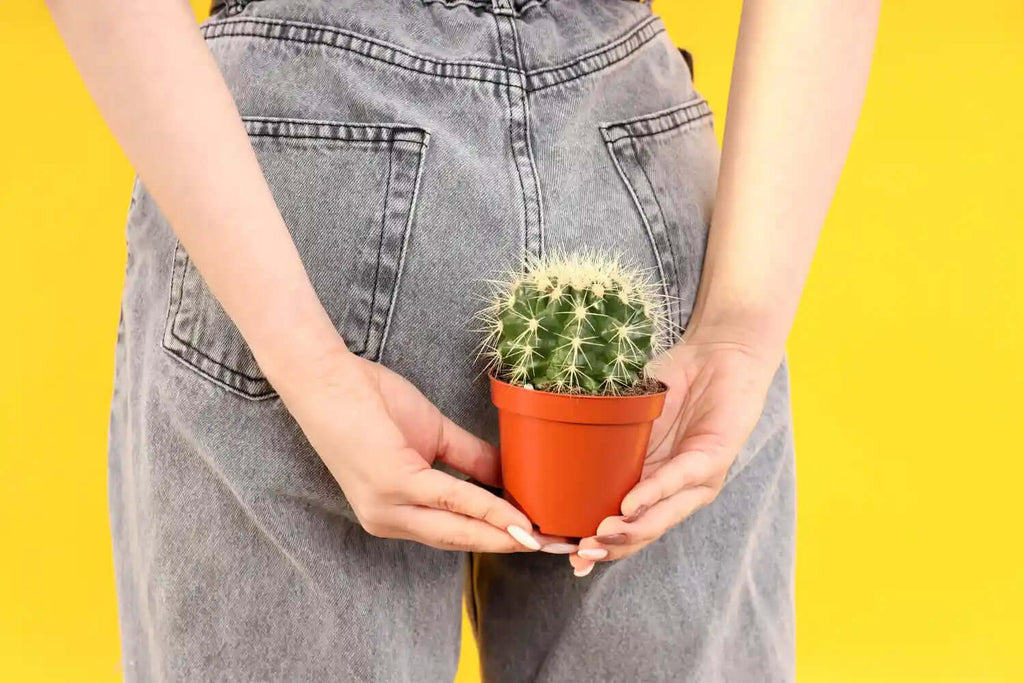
(575, 324)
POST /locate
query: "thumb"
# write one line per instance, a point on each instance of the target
(461, 450)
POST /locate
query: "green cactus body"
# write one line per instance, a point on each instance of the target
(580, 325)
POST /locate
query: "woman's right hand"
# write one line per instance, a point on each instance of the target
(379, 436)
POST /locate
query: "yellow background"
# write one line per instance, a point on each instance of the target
(906, 356)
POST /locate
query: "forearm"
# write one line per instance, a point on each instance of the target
(157, 86)
(798, 84)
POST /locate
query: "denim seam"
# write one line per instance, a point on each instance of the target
(643, 216)
(511, 138)
(380, 247)
(478, 71)
(188, 345)
(668, 233)
(357, 44)
(599, 50)
(334, 138)
(597, 60)
(699, 105)
(260, 379)
(668, 120)
(192, 367)
(539, 198)
(338, 32)
(261, 389)
(682, 125)
(173, 308)
(405, 244)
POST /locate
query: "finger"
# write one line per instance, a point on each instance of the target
(581, 567)
(661, 517)
(468, 454)
(555, 545)
(589, 554)
(614, 539)
(591, 550)
(689, 469)
(450, 531)
(435, 489)
(622, 539)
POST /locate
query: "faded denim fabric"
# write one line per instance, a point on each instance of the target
(416, 147)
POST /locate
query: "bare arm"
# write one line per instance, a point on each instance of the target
(149, 72)
(798, 83)
(161, 93)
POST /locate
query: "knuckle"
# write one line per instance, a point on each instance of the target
(665, 486)
(447, 500)
(372, 521)
(454, 541)
(710, 493)
(489, 513)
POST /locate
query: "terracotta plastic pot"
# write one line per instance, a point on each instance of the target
(568, 461)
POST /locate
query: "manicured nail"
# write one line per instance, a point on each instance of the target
(583, 572)
(558, 548)
(523, 536)
(593, 553)
(612, 539)
(636, 514)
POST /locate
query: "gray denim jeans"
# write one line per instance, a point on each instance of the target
(416, 147)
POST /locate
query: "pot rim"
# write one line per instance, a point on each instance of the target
(575, 408)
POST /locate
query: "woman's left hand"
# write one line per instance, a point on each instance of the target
(717, 387)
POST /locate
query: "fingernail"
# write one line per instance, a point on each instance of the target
(612, 539)
(636, 514)
(583, 572)
(558, 548)
(523, 536)
(593, 553)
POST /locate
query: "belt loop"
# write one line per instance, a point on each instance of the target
(235, 6)
(503, 7)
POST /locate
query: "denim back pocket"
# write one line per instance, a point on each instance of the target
(669, 163)
(347, 193)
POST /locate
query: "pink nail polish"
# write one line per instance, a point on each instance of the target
(636, 514)
(580, 573)
(612, 539)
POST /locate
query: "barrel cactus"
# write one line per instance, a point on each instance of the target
(575, 324)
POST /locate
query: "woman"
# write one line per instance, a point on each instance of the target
(323, 185)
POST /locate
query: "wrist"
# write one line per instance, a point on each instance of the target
(293, 343)
(755, 332)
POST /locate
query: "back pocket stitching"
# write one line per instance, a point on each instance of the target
(627, 132)
(674, 262)
(196, 359)
(391, 135)
(410, 216)
(664, 121)
(380, 248)
(643, 216)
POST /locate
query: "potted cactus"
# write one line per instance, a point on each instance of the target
(568, 342)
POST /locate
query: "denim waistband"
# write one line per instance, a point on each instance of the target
(531, 44)
(506, 7)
